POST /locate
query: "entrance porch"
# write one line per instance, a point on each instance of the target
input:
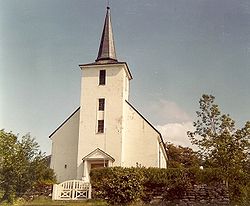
(96, 159)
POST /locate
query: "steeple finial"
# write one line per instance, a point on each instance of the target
(107, 47)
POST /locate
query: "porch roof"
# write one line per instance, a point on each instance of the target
(98, 154)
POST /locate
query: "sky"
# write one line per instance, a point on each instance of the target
(177, 50)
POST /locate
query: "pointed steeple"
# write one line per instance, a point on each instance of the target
(107, 47)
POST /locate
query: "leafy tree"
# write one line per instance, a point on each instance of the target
(220, 143)
(181, 157)
(22, 165)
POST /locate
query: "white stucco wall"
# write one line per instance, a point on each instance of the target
(141, 142)
(115, 92)
(64, 148)
(163, 157)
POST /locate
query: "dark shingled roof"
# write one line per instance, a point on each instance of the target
(107, 46)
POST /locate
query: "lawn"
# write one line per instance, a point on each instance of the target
(42, 201)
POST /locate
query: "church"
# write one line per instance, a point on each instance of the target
(106, 130)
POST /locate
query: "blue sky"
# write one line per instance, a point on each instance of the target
(177, 50)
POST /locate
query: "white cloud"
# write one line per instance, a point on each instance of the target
(176, 133)
(173, 122)
(168, 111)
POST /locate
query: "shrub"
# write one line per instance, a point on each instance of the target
(117, 185)
(124, 185)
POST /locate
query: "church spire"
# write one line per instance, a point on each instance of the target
(107, 47)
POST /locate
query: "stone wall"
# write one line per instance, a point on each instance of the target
(200, 195)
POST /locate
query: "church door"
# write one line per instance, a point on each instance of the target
(99, 164)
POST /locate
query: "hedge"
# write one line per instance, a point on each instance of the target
(117, 185)
(124, 185)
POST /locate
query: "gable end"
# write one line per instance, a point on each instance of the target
(161, 139)
(64, 122)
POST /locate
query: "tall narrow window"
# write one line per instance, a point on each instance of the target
(102, 77)
(100, 126)
(101, 104)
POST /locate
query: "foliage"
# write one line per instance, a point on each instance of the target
(239, 188)
(117, 185)
(181, 157)
(222, 145)
(22, 165)
(170, 182)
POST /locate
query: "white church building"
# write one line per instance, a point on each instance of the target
(106, 130)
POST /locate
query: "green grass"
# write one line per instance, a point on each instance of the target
(65, 203)
(43, 201)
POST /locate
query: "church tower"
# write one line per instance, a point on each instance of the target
(104, 92)
(106, 130)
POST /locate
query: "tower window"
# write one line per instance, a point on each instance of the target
(101, 104)
(102, 77)
(100, 128)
